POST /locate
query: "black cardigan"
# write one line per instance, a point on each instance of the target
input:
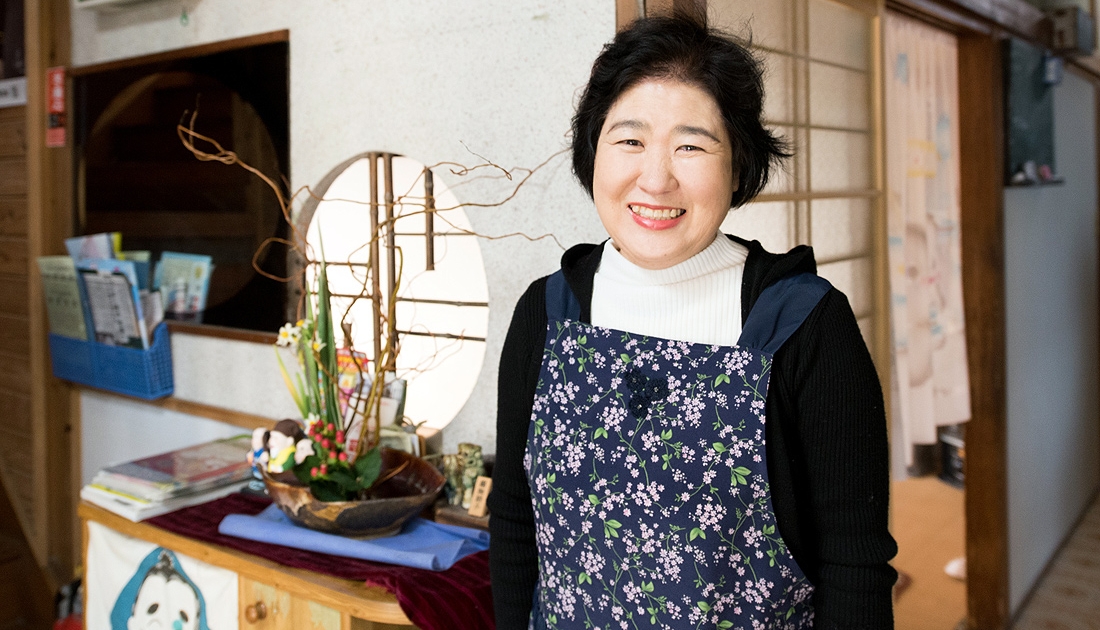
(826, 445)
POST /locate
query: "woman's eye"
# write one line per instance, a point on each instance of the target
(690, 147)
(631, 142)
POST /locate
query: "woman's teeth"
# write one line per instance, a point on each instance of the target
(656, 215)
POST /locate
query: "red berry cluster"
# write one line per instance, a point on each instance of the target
(328, 443)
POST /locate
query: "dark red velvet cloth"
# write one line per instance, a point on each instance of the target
(458, 598)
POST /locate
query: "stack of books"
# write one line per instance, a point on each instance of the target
(163, 483)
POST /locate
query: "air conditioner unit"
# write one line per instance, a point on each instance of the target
(1074, 32)
(103, 4)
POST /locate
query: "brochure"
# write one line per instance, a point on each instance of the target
(64, 306)
(115, 303)
(102, 245)
(183, 281)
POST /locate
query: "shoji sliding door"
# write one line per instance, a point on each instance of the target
(820, 86)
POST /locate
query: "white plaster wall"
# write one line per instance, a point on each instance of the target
(436, 80)
(1051, 298)
(128, 429)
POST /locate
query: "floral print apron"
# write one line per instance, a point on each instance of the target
(648, 472)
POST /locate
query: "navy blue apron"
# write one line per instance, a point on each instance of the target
(649, 480)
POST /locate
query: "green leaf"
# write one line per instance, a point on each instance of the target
(769, 530)
(647, 587)
(346, 480)
(741, 470)
(593, 499)
(703, 606)
(583, 339)
(582, 578)
(551, 478)
(789, 613)
(326, 490)
(697, 533)
(666, 434)
(611, 528)
(724, 625)
(625, 357)
(600, 432)
(721, 378)
(367, 467)
(719, 447)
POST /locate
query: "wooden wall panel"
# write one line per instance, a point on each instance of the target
(13, 140)
(14, 374)
(13, 176)
(16, 413)
(15, 335)
(13, 256)
(13, 215)
(13, 296)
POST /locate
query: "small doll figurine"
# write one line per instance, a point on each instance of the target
(286, 445)
(257, 457)
(472, 468)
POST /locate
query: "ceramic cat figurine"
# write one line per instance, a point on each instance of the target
(452, 471)
(472, 468)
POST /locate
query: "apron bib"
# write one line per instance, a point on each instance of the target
(648, 472)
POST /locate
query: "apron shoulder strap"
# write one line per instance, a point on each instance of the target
(561, 304)
(780, 311)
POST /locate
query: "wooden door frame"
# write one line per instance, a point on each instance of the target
(49, 222)
(981, 140)
(981, 156)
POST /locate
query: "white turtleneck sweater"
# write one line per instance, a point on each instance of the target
(698, 300)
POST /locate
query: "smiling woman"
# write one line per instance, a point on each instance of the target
(663, 449)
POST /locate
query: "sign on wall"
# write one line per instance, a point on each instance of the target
(55, 107)
(13, 92)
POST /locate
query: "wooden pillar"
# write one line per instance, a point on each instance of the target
(981, 129)
(49, 197)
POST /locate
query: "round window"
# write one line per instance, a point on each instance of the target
(439, 291)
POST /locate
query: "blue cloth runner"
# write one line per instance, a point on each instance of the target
(421, 544)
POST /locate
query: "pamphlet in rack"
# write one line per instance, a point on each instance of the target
(65, 307)
(115, 302)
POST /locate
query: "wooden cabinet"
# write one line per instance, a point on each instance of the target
(265, 607)
(271, 596)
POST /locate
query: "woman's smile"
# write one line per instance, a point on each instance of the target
(663, 176)
(655, 218)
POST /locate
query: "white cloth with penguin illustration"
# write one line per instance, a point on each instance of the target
(135, 585)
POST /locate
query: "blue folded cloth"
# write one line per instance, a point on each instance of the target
(422, 544)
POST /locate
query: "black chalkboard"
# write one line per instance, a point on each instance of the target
(1029, 109)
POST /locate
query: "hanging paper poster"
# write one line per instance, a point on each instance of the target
(135, 585)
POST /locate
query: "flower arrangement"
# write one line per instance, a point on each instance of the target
(336, 465)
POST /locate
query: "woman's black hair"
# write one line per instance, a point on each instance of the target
(683, 48)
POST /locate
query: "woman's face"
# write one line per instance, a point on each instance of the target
(663, 180)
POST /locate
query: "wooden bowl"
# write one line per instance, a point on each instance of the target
(395, 500)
